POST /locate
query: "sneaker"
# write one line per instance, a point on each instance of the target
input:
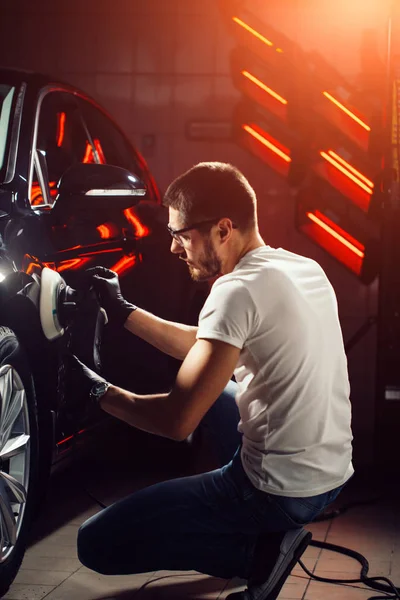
(288, 547)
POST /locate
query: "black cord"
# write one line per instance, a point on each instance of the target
(372, 582)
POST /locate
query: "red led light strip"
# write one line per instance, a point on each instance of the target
(347, 111)
(352, 173)
(252, 31)
(352, 169)
(267, 143)
(336, 232)
(264, 87)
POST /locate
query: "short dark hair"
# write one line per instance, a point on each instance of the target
(213, 190)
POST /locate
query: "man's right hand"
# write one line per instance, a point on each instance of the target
(106, 285)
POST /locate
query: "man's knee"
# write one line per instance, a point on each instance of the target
(90, 551)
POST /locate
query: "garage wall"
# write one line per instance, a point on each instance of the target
(156, 64)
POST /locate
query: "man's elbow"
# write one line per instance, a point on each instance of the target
(179, 435)
(176, 437)
(179, 431)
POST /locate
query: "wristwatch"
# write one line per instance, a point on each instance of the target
(98, 390)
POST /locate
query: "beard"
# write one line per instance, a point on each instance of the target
(207, 266)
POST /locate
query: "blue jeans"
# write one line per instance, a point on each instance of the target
(208, 522)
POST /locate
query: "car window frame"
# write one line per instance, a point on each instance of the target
(37, 161)
(114, 130)
(7, 170)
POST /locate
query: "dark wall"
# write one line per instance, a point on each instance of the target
(156, 64)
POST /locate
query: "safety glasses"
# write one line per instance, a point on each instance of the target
(175, 233)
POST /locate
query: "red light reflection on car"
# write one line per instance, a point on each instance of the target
(140, 229)
(60, 128)
(36, 193)
(70, 437)
(73, 263)
(105, 231)
(100, 153)
(89, 157)
(124, 264)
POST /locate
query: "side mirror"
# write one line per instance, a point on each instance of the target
(88, 187)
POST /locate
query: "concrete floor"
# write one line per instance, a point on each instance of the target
(113, 468)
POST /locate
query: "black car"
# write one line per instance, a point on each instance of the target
(74, 194)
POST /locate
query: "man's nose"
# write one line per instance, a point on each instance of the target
(176, 248)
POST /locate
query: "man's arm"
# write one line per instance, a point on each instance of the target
(171, 338)
(202, 377)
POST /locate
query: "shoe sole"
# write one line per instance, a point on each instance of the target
(292, 548)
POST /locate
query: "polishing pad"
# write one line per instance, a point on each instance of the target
(50, 287)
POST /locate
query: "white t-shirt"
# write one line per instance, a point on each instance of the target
(281, 311)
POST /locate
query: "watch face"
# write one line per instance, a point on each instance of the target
(99, 389)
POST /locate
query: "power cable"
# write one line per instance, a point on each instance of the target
(372, 582)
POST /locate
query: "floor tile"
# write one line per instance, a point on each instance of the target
(46, 548)
(181, 586)
(92, 586)
(41, 577)
(48, 563)
(309, 563)
(232, 586)
(21, 591)
(312, 552)
(294, 587)
(317, 591)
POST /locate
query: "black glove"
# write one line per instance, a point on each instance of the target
(106, 285)
(80, 381)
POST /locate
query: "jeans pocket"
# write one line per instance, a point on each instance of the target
(299, 511)
(268, 513)
(304, 510)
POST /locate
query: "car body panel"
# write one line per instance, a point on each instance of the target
(53, 126)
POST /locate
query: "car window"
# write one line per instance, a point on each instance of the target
(112, 147)
(62, 141)
(6, 97)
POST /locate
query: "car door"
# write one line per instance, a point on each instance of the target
(152, 277)
(134, 242)
(77, 241)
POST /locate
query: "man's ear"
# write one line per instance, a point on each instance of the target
(225, 228)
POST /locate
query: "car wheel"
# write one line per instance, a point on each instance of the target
(18, 455)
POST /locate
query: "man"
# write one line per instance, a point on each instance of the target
(271, 319)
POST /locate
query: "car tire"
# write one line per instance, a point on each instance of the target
(18, 455)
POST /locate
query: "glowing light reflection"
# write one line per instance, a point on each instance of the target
(267, 143)
(140, 229)
(347, 111)
(333, 230)
(252, 31)
(346, 171)
(264, 87)
(60, 128)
